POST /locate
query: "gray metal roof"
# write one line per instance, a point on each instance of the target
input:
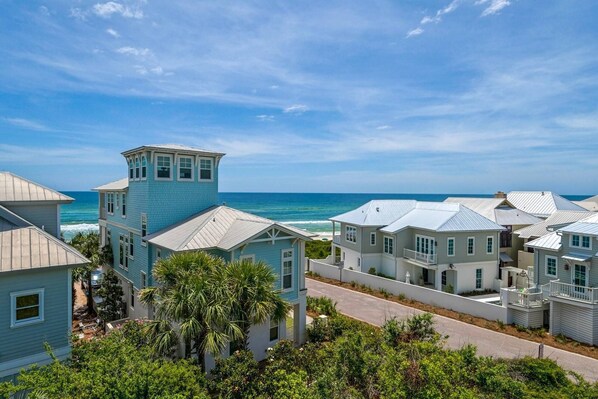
(118, 185)
(592, 199)
(498, 210)
(551, 241)
(557, 219)
(541, 203)
(588, 205)
(376, 213)
(26, 247)
(218, 227)
(588, 226)
(178, 148)
(14, 188)
(442, 217)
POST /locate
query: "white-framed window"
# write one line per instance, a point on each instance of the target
(131, 170)
(143, 167)
(110, 203)
(137, 169)
(470, 245)
(143, 277)
(478, 279)
(351, 233)
(575, 240)
(551, 265)
(123, 209)
(450, 246)
(247, 257)
(131, 245)
(443, 277)
(205, 169)
(287, 269)
(27, 307)
(143, 228)
(132, 295)
(489, 245)
(274, 328)
(185, 169)
(163, 167)
(123, 258)
(373, 238)
(389, 244)
(108, 238)
(586, 242)
(425, 244)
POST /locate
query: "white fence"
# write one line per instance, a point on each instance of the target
(429, 296)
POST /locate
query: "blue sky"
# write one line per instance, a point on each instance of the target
(337, 96)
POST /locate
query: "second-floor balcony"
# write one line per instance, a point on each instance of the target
(336, 239)
(526, 298)
(574, 292)
(103, 213)
(426, 259)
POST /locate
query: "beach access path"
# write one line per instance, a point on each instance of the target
(376, 311)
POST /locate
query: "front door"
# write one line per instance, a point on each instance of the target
(580, 278)
(425, 245)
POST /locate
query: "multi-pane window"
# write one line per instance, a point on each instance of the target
(585, 242)
(132, 294)
(506, 237)
(287, 269)
(273, 330)
(205, 169)
(163, 167)
(137, 167)
(143, 167)
(124, 205)
(372, 238)
(450, 246)
(574, 240)
(121, 252)
(489, 245)
(131, 171)
(186, 168)
(551, 266)
(110, 203)
(351, 233)
(108, 238)
(143, 228)
(388, 245)
(27, 307)
(470, 245)
(143, 280)
(478, 279)
(123, 258)
(443, 277)
(131, 245)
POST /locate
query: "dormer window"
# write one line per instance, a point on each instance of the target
(186, 168)
(131, 173)
(136, 168)
(164, 167)
(205, 169)
(580, 241)
(143, 168)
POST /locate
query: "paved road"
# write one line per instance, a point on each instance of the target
(489, 343)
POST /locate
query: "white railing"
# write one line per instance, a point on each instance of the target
(575, 292)
(524, 298)
(428, 259)
(336, 239)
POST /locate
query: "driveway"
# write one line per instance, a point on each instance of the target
(375, 311)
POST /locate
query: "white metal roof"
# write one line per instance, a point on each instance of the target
(118, 185)
(589, 205)
(541, 203)
(557, 219)
(498, 210)
(14, 188)
(550, 241)
(174, 148)
(588, 226)
(376, 213)
(591, 199)
(25, 247)
(218, 227)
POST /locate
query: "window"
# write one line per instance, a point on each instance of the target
(351, 233)
(388, 245)
(143, 280)
(110, 203)
(108, 238)
(131, 245)
(506, 237)
(443, 277)
(123, 258)
(137, 168)
(185, 168)
(359, 263)
(450, 246)
(132, 294)
(27, 307)
(205, 169)
(478, 279)
(124, 207)
(131, 171)
(551, 265)
(470, 245)
(121, 253)
(585, 242)
(489, 245)
(143, 168)
(163, 167)
(143, 228)
(273, 330)
(287, 269)
(574, 240)
(117, 200)
(158, 254)
(372, 239)
(247, 257)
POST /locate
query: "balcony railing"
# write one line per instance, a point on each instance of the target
(103, 213)
(428, 259)
(336, 239)
(574, 292)
(523, 298)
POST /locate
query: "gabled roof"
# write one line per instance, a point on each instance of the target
(442, 217)
(541, 203)
(554, 221)
(498, 210)
(588, 205)
(14, 188)
(587, 226)
(376, 213)
(25, 247)
(118, 185)
(550, 241)
(218, 227)
(592, 199)
(181, 149)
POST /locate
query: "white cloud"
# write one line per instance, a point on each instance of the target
(296, 109)
(26, 124)
(157, 70)
(78, 14)
(137, 52)
(112, 32)
(265, 118)
(415, 32)
(382, 127)
(105, 10)
(494, 6)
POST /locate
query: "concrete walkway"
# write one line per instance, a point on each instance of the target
(489, 343)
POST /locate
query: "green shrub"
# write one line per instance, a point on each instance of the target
(235, 377)
(322, 305)
(372, 270)
(317, 249)
(419, 328)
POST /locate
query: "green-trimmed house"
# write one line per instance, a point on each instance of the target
(35, 275)
(168, 204)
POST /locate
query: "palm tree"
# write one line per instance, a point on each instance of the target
(190, 293)
(89, 246)
(254, 298)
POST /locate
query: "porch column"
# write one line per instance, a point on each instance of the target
(438, 278)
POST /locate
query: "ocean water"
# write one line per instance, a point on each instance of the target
(309, 211)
